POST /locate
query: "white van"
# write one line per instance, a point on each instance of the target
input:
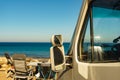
(94, 53)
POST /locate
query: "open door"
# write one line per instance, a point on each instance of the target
(57, 55)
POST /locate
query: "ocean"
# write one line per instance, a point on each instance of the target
(30, 49)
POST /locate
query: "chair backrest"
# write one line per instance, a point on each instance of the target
(9, 59)
(56, 51)
(20, 63)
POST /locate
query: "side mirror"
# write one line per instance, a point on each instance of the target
(57, 55)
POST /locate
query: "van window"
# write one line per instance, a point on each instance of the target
(106, 29)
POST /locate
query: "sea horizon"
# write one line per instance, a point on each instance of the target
(30, 49)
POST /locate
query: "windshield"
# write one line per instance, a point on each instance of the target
(106, 29)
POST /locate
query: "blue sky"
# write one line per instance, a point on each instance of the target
(37, 20)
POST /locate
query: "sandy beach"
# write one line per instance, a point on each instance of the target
(4, 67)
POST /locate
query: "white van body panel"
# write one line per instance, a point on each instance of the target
(92, 71)
(84, 70)
(98, 71)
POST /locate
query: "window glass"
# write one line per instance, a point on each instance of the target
(107, 33)
(86, 44)
(106, 27)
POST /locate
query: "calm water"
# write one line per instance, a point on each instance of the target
(30, 49)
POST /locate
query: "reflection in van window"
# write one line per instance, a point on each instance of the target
(106, 36)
